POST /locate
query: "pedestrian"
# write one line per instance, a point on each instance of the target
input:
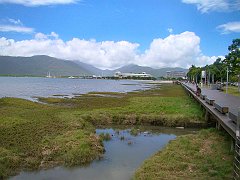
(198, 92)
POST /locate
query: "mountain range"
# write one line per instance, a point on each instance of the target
(41, 65)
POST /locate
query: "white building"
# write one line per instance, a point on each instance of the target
(118, 74)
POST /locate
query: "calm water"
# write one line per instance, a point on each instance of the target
(30, 87)
(120, 160)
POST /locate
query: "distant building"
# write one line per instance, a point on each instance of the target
(175, 74)
(120, 75)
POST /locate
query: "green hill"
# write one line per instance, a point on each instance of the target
(39, 66)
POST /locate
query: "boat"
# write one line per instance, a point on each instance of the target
(71, 77)
(48, 75)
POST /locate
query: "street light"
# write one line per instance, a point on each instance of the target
(227, 82)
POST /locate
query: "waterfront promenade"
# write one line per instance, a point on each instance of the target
(226, 120)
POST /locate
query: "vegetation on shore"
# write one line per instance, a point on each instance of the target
(205, 155)
(37, 136)
(233, 90)
(167, 106)
(62, 132)
(217, 72)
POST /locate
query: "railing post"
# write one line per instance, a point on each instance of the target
(238, 124)
(236, 161)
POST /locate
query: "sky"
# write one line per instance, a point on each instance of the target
(112, 33)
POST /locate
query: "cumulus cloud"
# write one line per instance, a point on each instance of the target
(40, 36)
(204, 60)
(230, 27)
(12, 25)
(180, 50)
(38, 2)
(215, 5)
(106, 54)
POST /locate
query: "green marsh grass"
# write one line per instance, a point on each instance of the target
(167, 106)
(205, 155)
(36, 136)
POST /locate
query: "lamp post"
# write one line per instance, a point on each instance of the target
(209, 76)
(227, 82)
(205, 76)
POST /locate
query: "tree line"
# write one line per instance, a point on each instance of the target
(218, 70)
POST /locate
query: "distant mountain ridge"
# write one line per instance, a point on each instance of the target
(40, 65)
(131, 68)
(94, 70)
(155, 72)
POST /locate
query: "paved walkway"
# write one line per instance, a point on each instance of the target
(230, 101)
(233, 102)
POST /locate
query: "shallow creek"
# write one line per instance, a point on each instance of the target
(124, 154)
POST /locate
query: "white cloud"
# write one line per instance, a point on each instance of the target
(38, 2)
(204, 60)
(181, 50)
(40, 36)
(12, 25)
(215, 5)
(230, 27)
(14, 21)
(106, 54)
(19, 29)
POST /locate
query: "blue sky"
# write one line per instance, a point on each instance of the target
(113, 33)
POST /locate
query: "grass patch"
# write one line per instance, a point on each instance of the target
(168, 106)
(72, 148)
(40, 136)
(233, 90)
(87, 102)
(205, 155)
(105, 136)
(134, 131)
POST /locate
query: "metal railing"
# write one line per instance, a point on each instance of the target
(236, 161)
